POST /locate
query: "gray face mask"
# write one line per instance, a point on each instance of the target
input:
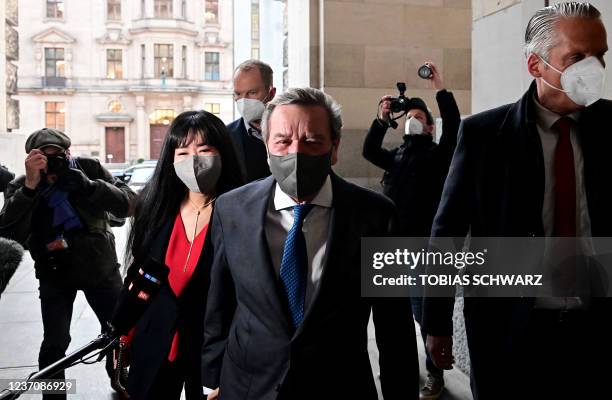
(199, 173)
(300, 174)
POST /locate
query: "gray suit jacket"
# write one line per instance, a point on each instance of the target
(251, 350)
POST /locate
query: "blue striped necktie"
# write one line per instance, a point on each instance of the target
(294, 265)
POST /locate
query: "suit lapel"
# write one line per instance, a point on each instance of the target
(269, 282)
(589, 124)
(520, 139)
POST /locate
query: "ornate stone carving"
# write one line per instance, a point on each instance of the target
(12, 13)
(12, 114)
(12, 43)
(11, 78)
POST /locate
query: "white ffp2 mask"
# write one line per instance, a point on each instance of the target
(250, 109)
(413, 127)
(583, 82)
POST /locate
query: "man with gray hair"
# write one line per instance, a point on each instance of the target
(285, 319)
(536, 168)
(253, 88)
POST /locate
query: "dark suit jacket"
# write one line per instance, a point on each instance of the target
(251, 350)
(495, 188)
(166, 315)
(415, 171)
(251, 152)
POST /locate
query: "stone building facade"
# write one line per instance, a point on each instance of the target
(114, 73)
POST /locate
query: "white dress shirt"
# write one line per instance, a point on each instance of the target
(279, 220)
(252, 131)
(545, 119)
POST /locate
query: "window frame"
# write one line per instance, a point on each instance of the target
(158, 59)
(157, 9)
(56, 6)
(55, 112)
(214, 75)
(214, 21)
(116, 5)
(55, 65)
(116, 62)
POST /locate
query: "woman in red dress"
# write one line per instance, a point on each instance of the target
(170, 229)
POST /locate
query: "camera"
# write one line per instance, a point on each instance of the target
(57, 164)
(400, 103)
(425, 72)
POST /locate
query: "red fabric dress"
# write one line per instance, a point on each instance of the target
(176, 255)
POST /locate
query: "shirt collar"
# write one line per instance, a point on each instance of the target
(324, 198)
(546, 118)
(252, 131)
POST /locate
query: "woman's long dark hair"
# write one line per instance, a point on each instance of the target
(161, 197)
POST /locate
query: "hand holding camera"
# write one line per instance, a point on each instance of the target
(392, 105)
(389, 105)
(74, 180)
(34, 163)
(384, 109)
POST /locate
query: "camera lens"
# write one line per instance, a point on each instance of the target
(425, 72)
(57, 164)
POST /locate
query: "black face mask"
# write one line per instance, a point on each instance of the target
(57, 164)
(300, 174)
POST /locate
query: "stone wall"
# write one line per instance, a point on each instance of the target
(366, 46)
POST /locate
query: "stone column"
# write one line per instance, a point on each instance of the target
(10, 142)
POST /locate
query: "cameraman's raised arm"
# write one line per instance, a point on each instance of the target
(372, 146)
(451, 118)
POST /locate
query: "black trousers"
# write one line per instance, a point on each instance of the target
(417, 310)
(56, 303)
(562, 357)
(170, 380)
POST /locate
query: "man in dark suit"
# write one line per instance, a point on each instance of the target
(538, 167)
(253, 88)
(285, 319)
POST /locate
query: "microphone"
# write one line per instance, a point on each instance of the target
(11, 254)
(139, 290)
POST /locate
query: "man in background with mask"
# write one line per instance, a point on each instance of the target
(536, 168)
(414, 176)
(253, 88)
(285, 318)
(60, 212)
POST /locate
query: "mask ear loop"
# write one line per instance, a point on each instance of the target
(554, 69)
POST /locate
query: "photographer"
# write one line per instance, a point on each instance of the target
(60, 211)
(415, 172)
